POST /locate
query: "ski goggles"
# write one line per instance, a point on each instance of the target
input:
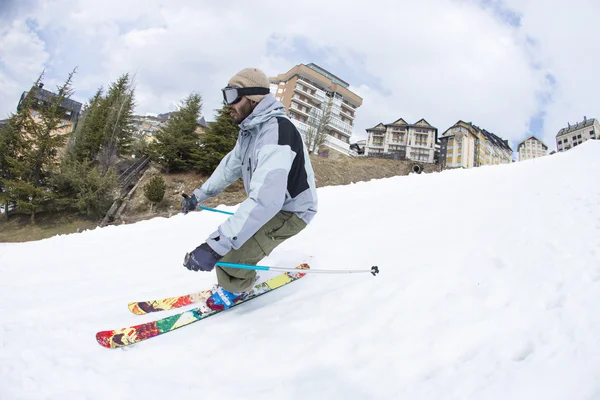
(232, 94)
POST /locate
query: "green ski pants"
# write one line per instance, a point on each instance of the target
(281, 227)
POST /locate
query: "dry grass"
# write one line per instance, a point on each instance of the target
(19, 228)
(332, 171)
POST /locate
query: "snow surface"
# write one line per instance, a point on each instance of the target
(489, 289)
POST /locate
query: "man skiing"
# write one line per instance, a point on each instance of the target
(274, 164)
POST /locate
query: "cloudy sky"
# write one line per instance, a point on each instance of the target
(513, 67)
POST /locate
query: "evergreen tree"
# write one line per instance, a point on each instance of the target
(219, 140)
(80, 186)
(10, 143)
(118, 129)
(37, 121)
(86, 141)
(155, 189)
(105, 128)
(177, 144)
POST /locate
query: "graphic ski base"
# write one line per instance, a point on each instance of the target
(134, 334)
(150, 306)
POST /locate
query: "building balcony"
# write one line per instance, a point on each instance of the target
(348, 106)
(336, 124)
(294, 108)
(307, 83)
(296, 98)
(346, 114)
(317, 97)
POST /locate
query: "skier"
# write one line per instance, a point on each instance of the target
(274, 164)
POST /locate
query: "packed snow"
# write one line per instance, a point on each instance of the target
(489, 288)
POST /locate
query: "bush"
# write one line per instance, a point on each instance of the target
(154, 190)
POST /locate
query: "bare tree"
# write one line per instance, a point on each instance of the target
(318, 122)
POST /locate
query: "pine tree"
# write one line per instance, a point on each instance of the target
(155, 190)
(105, 129)
(219, 140)
(86, 140)
(177, 144)
(80, 186)
(10, 143)
(37, 122)
(118, 130)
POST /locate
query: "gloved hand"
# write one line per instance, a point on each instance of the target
(203, 258)
(189, 203)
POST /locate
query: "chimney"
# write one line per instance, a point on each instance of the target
(41, 85)
(584, 118)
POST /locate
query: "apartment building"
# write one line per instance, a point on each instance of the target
(530, 148)
(307, 91)
(71, 108)
(465, 145)
(415, 142)
(574, 135)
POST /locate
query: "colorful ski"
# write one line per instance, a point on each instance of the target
(127, 336)
(150, 306)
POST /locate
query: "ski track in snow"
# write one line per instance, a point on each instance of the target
(489, 286)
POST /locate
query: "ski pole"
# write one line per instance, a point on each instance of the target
(215, 210)
(374, 270)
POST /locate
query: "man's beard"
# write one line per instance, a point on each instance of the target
(244, 111)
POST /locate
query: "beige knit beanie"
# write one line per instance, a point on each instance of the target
(251, 77)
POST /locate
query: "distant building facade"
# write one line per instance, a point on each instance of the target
(305, 91)
(71, 108)
(415, 142)
(465, 145)
(531, 147)
(573, 135)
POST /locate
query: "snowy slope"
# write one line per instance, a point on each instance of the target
(489, 289)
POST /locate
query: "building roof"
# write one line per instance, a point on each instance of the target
(320, 78)
(202, 122)
(328, 74)
(572, 128)
(379, 127)
(488, 135)
(497, 140)
(532, 137)
(47, 96)
(401, 122)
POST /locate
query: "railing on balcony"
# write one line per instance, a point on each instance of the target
(348, 115)
(348, 105)
(307, 83)
(340, 126)
(337, 144)
(295, 108)
(330, 141)
(297, 98)
(318, 97)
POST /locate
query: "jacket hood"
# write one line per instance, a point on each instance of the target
(269, 107)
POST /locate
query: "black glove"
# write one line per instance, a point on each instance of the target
(189, 203)
(203, 258)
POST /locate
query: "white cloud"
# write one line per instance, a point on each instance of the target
(568, 46)
(442, 60)
(22, 59)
